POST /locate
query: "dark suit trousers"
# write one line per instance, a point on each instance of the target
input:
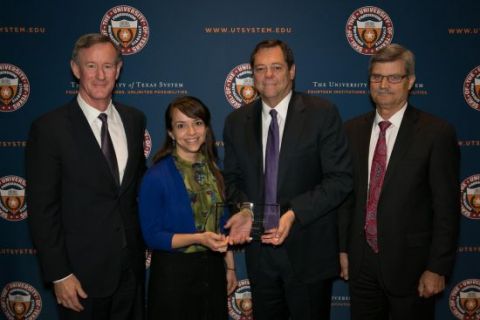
(126, 303)
(371, 301)
(278, 294)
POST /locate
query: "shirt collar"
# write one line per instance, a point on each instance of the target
(395, 120)
(92, 113)
(281, 108)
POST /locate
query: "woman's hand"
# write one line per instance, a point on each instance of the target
(231, 281)
(214, 241)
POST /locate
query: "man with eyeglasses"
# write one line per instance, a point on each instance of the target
(287, 148)
(399, 228)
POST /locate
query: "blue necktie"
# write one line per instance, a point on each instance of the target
(107, 148)
(271, 173)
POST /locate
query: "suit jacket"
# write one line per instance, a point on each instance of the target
(314, 176)
(79, 218)
(418, 209)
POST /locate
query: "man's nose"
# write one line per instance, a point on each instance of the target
(100, 73)
(384, 83)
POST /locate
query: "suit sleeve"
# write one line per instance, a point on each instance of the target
(43, 170)
(143, 164)
(345, 211)
(336, 180)
(444, 184)
(344, 219)
(152, 212)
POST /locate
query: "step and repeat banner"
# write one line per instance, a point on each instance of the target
(202, 48)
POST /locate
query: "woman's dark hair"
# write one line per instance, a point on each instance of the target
(193, 108)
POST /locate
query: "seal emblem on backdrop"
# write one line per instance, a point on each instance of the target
(369, 29)
(240, 305)
(12, 198)
(14, 88)
(470, 193)
(20, 300)
(127, 27)
(239, 88)
(464, 300)
(471, 88)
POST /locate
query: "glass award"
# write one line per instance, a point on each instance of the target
(266, 217)
(216, 217)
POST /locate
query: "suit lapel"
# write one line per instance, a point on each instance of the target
(403, 141)
(291, 135)
(132, 145)
(364, 134)
(253, 132)
(86, 142)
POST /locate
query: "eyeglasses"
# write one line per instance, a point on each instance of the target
(392, 78)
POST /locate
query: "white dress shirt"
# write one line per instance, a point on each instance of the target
(115, 128)
(282, 109)
(390, 135)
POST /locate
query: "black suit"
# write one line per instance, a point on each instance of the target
(418, 209)
(313, 179)
(81, 221)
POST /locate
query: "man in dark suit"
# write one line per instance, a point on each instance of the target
(84, 162)
(291, 268)
(399, 227)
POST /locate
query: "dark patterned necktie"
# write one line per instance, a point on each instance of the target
(271, 173)
(377, 173)
(107, 148)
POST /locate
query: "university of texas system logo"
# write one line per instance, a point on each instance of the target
(471, 88)
(369, 29)
(464, 300)
(14, 88)
(470, 191)
(239, 89)
(12, 205)
(240, 302)
(127, 27)
(147, 144)
(19, 300)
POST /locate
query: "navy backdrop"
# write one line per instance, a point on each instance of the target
(200, 48)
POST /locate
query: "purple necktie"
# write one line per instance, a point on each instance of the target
(271, 173)
(377, 173)
(107, 148)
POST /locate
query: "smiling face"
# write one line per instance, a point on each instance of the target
(97, 70)
(390, 97)
(273, 79)
(189, 135)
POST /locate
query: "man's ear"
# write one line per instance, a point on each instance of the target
(292, 72)
(119, 67)
(75, 69)
(411, 81)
